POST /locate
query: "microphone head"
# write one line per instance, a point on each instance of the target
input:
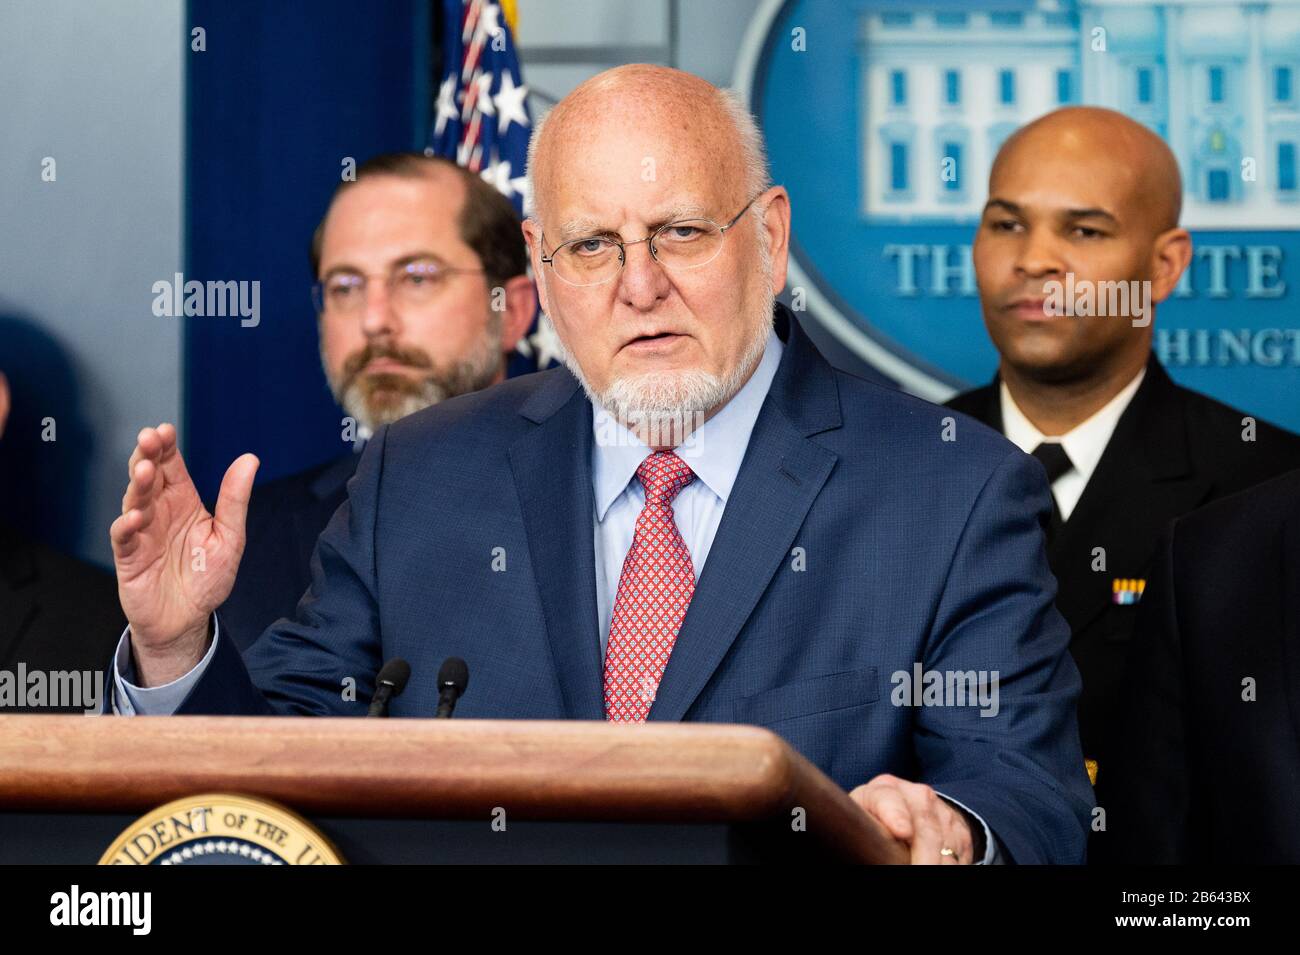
(395, 673)
(454, 673)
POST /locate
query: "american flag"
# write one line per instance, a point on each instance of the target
(482, 121)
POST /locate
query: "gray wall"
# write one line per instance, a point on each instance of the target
(563, 42)
(100, 88)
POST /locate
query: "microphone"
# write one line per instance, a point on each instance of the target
(453, 677)
(390, 682)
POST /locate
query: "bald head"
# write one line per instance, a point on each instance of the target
(658, 244)
(1089, 199)
(690, 120)
(1096, 141)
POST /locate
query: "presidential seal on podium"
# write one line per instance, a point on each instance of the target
(221, 829)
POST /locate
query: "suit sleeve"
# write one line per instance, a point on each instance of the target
(323, 661)
(1014, 759)
(1146, 798)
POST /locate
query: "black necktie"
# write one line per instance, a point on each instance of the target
(1054, 459)
(1051, 455)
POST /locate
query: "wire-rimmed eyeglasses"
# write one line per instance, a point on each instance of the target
(680, 244)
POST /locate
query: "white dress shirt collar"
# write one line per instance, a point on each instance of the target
(1085, 442)
(713, 452)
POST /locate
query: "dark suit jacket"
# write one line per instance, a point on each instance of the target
(1204, 775)
(1173, 450)
(285, 517)
(56, 612)
(918, 550)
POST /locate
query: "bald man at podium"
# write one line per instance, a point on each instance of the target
(697, 518)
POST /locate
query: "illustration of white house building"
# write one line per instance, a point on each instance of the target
(943, 84)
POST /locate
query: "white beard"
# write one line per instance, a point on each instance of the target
(666, 407)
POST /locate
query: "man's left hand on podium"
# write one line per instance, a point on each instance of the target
(936, 832)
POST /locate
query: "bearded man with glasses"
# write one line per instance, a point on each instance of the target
(810, 539)
(421, 295)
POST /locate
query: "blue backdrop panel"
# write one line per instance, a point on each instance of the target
(861, 100)
(282, 95)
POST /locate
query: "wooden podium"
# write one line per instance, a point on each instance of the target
(411, 791)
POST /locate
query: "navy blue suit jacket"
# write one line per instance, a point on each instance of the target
(285, 516)
(914, 549)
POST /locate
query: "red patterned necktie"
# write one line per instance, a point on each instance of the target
(654, 591)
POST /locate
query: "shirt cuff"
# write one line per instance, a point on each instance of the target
(132, 700)
(992, 854)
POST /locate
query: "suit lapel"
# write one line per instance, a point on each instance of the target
(781, 475)
(991, 412)
(1144, 479)
(331, 483)
(982, 404)
(327, 490)
(551, 465)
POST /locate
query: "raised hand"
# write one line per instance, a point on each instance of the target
(176, 563)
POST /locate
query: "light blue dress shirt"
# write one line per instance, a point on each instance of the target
(132, 700)
(714, 453)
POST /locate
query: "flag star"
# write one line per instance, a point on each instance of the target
(483, 103)
(447, 108)
(544, 342)
(498, 174)
(510, 101)
(521, 186)
(490, 22)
